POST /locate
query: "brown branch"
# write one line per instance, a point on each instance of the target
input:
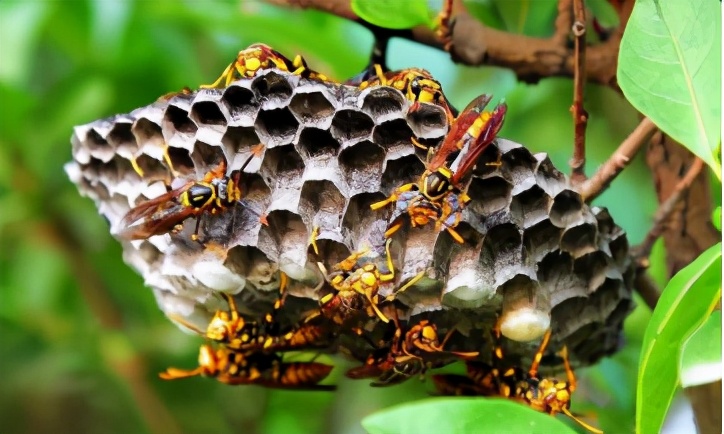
(477, 44)
(664, 213)
(647, 288)
(600, 180)
(580, 116)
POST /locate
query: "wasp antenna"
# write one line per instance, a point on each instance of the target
(175, 373)
(184, 322)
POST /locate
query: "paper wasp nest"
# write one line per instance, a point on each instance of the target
(533, 249)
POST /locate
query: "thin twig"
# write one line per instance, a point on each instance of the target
(600, 180)
(474, 43)
(647, 288)
(665, 210)
(580, 116)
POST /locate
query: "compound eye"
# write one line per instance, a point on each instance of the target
(415, 87)
(200, 195)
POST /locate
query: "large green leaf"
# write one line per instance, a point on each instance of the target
(700, 357)
(669, 68)
(684, 305)
(462, 415)
(393, 14)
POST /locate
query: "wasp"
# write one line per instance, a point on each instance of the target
(231, 330)
(439, 194)
(258, 57)
(417, 84)
(548, 395)
(216, 192)
(356, 281)
(414, 353)
(263, 369)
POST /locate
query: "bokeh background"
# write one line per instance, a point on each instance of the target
(81, 338)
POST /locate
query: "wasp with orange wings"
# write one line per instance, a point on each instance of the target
(216, 192)
(439, 195)
(262, 369)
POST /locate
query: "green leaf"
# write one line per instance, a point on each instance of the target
(393, 14)
(462, 415)
(700, 357)
(716, 217)
(669, 69)
(685, 303)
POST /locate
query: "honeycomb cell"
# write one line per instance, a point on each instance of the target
(314, 143)
(351, 125)
(272, 89)
(530, 207)
(152, 168)
(540, 239)
(98, 147)
(289, 233)
(362, 165)
(401, 171)
(178, 129)
(428, 121)
(392, 133)
(206, 157)
(148, 135)
(122, 139)
(208, 114)
(526, 309)
(241, 104)
(181, 161)
(567, 209)
(282, 170)
(592, 267)
(580, 240)
(276, 127)
(489, 194)
(312, 108)
(382, 102)
(360, 225)
(503, 246)
(238, 143)
(322, 201)
(619, 248)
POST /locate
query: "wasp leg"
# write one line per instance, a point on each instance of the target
(533, 372)
(222, 78)
(313, 240)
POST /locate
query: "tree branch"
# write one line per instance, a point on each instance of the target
(600, 180)
(474, 44)
(580, 116)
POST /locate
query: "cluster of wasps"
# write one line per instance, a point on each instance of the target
(253, 351)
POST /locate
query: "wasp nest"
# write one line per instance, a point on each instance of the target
(535, 255)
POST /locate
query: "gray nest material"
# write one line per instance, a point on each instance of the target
(535, 254)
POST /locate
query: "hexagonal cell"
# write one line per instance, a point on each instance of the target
(555, 273)
(503, 246)
(490, 163)
(98, 146)
(177, 119)
(272, 89)
(401, 171)
(526, 309)
(362, 165)
(580, 240)
(121, 137)
(530, 207)
(147, 133)
(540, 239)
(394, 132)
(322, 201)
(277, 126)
(289, 233)
(428, 121)
(152, 168)
(567, 208)
(605, 222)
(241, 259)
(280, 165)
(181, 160)
(620, 312)
(351, 125)
(592, 268)
(469, 285)
(208, 113)
(239, 140)
(314, 142)
(241, 104)
(619, 249)
(361, 224)
(382, 100)
(206, 157)
(311, 108)
(489, 194)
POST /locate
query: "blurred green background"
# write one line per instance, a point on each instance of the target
(81, 339)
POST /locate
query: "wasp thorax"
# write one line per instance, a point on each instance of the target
(436, 184)
(199, 195)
